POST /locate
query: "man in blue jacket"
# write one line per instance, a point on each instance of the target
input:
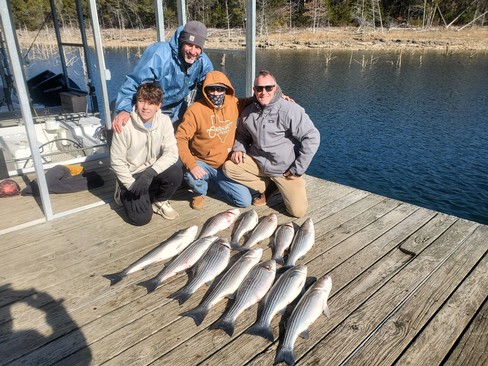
(274, 145)
(178, 66)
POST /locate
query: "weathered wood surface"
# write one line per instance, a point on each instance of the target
(409, 286)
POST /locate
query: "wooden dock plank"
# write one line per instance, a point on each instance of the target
(432, 346)
(422, 303)
(471, 350)
(57, 308)
(359, 326)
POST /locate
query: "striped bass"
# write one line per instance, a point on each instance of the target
(311, 305)
(253, 288)
(227, 285)
(263, 230)
(283, 292)
(282, 240)
(210, 265)
(167, 249)
(247, 221)
(302, 242)
(186, 259)
(219, 222)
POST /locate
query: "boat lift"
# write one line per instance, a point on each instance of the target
(13, 74)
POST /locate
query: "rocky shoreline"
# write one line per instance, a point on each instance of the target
(474, 40)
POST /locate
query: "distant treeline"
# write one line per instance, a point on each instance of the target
(270, 14)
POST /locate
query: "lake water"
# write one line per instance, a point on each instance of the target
(412, 127)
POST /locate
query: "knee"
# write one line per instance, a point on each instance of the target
(139, 221)
(298, 211)
(243, 202)
(228, 168)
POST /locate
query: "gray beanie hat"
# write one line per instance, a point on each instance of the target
(194, 33)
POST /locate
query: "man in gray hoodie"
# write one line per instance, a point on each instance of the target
(275, 143)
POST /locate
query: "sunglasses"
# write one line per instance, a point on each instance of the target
(218, 89)
(260, 88)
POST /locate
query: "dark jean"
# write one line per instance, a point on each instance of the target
(139, 209)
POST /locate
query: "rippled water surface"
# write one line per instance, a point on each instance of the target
(411, 127)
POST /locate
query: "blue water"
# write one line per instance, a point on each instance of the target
(416, 132)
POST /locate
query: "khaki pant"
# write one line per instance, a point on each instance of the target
(292, 190)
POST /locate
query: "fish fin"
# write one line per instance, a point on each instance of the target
(231, 296)
(150, 285)
(115, 277)
(197, 314)
(181, 295)
(326, 311)
(285, 354)
(305, 334)
(227, 325)
(261, 329)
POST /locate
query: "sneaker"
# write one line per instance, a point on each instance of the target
(197, 202)
(117, 199)
(164, 209)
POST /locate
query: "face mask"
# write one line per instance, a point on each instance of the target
(216, 99)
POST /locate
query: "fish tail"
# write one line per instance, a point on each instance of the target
(242, 248)
(114, 277)
(150, 285)
(226, 324)
(278, 258)
(261, 329)
(285, 354)
(234, 244)
(197, 314)
(181, 295)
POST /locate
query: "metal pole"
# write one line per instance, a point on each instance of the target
(91, 87)
(103, 72)
(181, 12)
(23, 95)
(62, 58)
(250, 45)
(158, 6)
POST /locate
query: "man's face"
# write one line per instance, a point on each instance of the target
(190, 52)
(147, 110)
(264, 89)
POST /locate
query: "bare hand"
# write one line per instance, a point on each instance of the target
(289, 175)
(238, 157)
(286, 97)
(198, 172)
(120, 121)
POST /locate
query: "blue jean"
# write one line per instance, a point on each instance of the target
(226, 189)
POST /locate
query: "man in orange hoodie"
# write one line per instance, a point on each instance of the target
(205, 138)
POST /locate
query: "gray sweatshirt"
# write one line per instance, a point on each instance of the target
(279, 136)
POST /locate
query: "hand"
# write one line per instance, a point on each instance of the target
(141, 185)
(289, 175)
(238, 157)
(139, 204)
(198, 172)
(120, 120)
(286, 97)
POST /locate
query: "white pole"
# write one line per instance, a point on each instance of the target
(102, 71)
(250, 45)
(23, 95)
(159, 12)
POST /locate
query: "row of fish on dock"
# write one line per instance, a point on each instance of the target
(248, 280)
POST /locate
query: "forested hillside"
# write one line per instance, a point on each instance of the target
(271, 14)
